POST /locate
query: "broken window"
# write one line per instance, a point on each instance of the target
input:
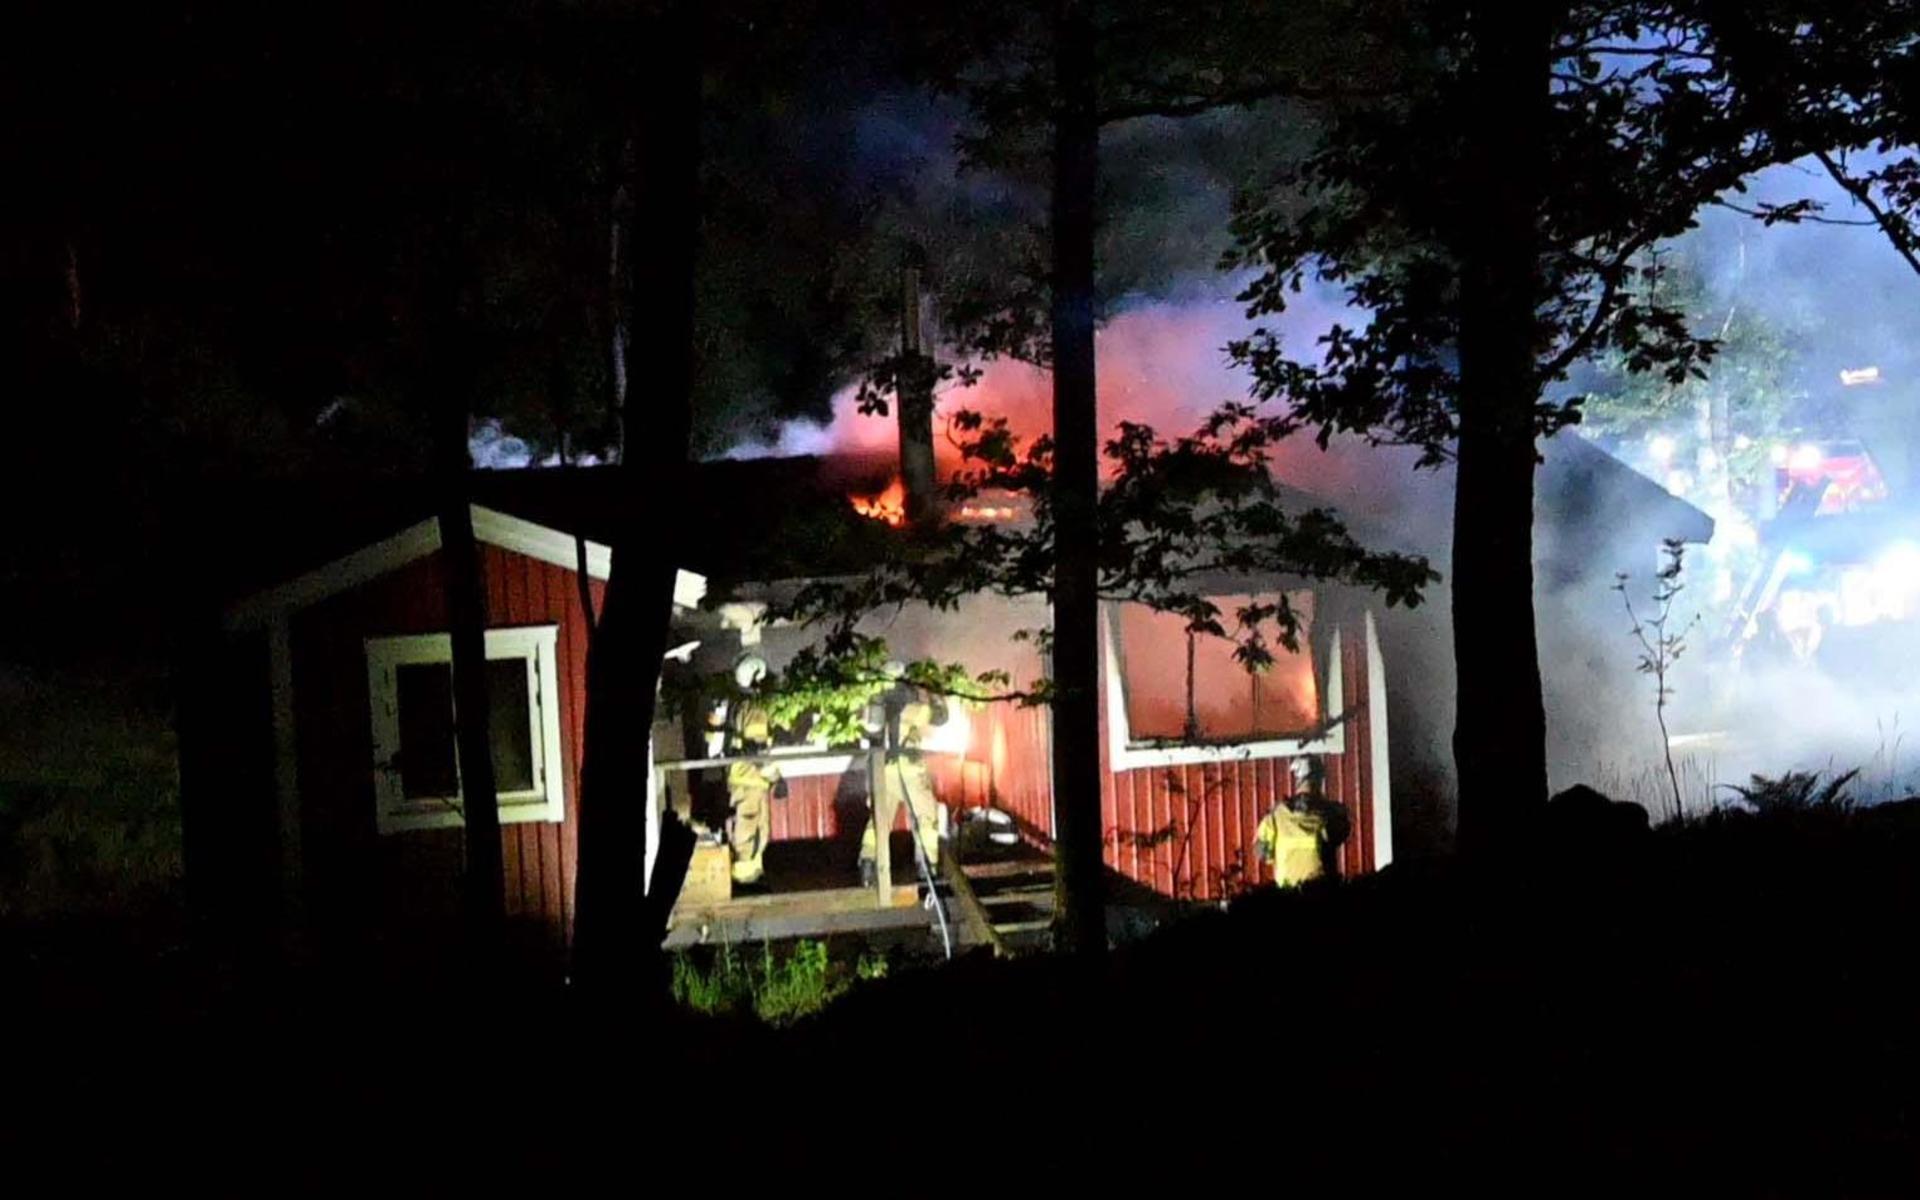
(416, 761)
(1190, 687)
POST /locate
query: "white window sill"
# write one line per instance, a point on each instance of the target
(524, 808)
(1137, 756)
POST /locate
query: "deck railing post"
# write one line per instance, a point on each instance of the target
(879, 799)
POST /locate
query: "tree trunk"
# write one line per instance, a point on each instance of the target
(914, 399)
(619, 254)
(616, 927)
(1499, 740)
(1076, 484)
(467, 622)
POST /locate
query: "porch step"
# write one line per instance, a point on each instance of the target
(1008, 903)
(1038, 896)
(1019, 905)
(1013, 868)
(1013, 928)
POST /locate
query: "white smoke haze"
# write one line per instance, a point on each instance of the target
(1162, 363)
(1845, 300)
(493, 448)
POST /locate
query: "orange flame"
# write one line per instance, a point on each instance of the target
(987, 512)
(889, 505)
(991, 505)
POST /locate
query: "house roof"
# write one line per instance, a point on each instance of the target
(1580, 482)
(290, 543)
(422, 538)
(760, 519)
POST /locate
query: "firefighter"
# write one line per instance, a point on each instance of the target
(1301, 836)
(900, 720)
(750, 785)
(1289, 841)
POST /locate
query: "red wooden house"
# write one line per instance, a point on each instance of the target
(322, 719)
(330, 689)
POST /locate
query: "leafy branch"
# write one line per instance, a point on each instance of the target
(1661, 644)
(1648, 124)
(1178, 520)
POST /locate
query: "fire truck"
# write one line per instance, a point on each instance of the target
(1839, 562)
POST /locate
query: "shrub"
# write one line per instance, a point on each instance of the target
(777, 987)
(1797, 792)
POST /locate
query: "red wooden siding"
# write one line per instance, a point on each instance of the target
(1005, 765)
(1188, 831)
(1015, 744)
(1182, 831)
(824, 807)
(416, 875)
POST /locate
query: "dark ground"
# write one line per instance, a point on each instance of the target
(1725, 1009)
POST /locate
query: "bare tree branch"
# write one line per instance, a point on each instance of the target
(1190, 105)
(1810, 218)
(1897, 231)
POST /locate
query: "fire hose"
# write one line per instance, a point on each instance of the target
(920, 857)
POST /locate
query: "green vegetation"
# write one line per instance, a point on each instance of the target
(1736, 407)
(1661, 646)
(1796, 793)
(89, 797)
(777, 987)
(1648, 783)
(70, 849)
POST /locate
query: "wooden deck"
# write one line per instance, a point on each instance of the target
(796, 914)
(809, 891)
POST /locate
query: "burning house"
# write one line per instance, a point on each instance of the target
(331, 687)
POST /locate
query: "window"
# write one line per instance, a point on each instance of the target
(416, 767)
(1175, 697)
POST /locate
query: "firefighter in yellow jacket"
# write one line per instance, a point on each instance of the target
(1302, 835)
(750, 785)
(1290, 842)
(902, 718)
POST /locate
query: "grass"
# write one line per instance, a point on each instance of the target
(1878, 779)
(1649, 787)
(89, 795)
(779, 987)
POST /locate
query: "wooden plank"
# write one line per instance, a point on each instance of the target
(1163, 817)
(774, 925)
(1002, 870)
(1037, 897)
(1012, 927)
(542, 606)
(973, 917)
(513, 587)
(795, 914)
(1205, 865)
(564, 597)
(510, 869)
(494, 577)
(1130, 824)
(850, 899)
(878, 797)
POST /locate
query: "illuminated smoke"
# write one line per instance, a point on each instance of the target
(1846, 300)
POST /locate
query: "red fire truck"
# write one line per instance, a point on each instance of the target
(1838, 557)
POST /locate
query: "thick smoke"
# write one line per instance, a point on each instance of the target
(1842, 297)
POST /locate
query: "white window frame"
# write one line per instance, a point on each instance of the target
(1126, 754)
(546, 801)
